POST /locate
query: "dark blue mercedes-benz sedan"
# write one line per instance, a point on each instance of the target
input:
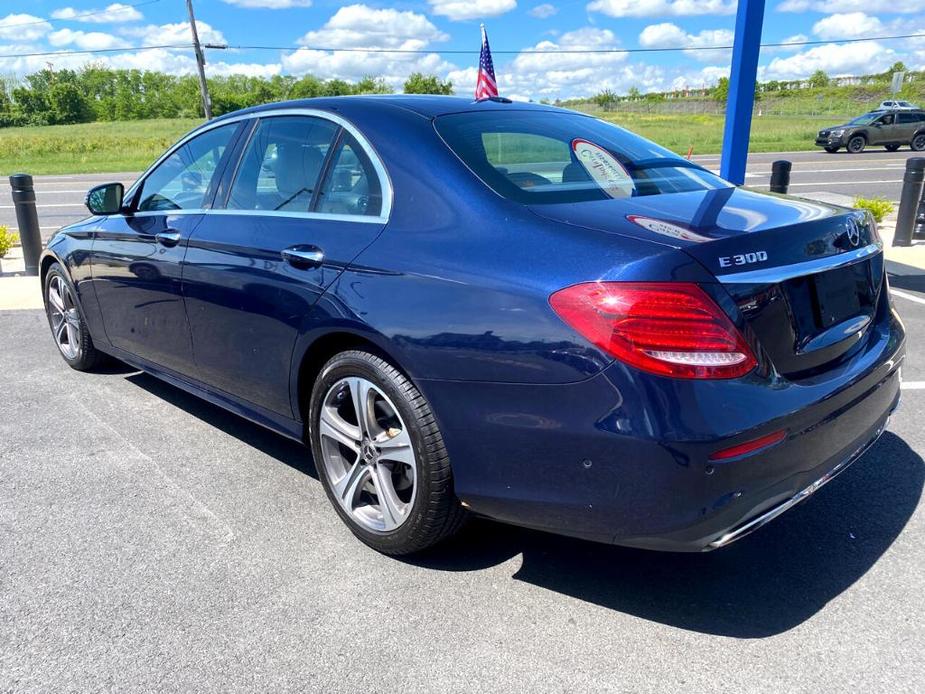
(501, 309)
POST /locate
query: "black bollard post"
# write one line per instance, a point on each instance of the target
(913, 181)
(28, 221)
(918, 233)
(780, 176)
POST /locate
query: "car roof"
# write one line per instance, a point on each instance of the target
(428, 106)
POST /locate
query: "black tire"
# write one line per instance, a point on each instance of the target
(918, 142)
(831, 150)
(856, 144)
(86, 356)
(435, 513)
(891, 148)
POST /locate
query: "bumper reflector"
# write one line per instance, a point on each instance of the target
(750, 446)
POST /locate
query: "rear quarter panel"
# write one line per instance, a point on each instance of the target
(458, 282)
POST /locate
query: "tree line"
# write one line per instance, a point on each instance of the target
(96, 93)
(818, 84)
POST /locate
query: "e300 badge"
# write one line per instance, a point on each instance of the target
(743, 259)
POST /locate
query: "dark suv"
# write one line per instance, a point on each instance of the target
(890, 129)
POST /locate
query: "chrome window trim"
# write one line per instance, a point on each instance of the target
(324, 216)
(772, 275)
(385, 183)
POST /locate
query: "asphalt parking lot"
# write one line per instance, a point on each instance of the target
(149, 540)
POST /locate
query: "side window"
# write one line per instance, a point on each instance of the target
(909, 117)
(886, 120)
(181, 181)
(351, 186)
(281, 164)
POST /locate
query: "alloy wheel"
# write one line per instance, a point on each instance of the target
(856, 144)
(65, 318)
(368, 454)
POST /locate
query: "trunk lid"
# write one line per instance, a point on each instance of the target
(805, 275)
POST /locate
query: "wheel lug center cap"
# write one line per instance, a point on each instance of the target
(369, 452)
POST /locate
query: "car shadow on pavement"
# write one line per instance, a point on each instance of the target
(765, 584)
(906, 277)
(272, 444)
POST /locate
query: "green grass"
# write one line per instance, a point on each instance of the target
(705, 132)
(88, 147)
(133, 145)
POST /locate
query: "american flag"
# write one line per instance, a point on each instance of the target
(486, 86)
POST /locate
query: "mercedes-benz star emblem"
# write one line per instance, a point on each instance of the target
(854, 231)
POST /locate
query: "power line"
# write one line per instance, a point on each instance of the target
(526, 51)
(556, 51)
(76, 17)
(95, 50)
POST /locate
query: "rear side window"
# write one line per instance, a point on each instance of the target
(911, 117)
(281, 165)
(351, 186)
(538, 157)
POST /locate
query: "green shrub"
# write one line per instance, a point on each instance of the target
(7, 240)
(878, 207)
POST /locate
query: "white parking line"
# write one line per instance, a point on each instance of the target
(796, 172)
(819, 184)
(55, 204)
(913, 385)
(907, 296)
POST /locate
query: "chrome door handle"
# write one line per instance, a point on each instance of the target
(168, 238)
(303, 256)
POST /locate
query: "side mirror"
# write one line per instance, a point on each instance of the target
(105, 199)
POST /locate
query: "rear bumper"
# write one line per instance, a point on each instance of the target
(752, 524)
(624, 459)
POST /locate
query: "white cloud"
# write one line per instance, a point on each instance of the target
(849, 25)
(543, 73)
(544, 11)
(471, 9)
(700, 79)
(270, 4)
(85, 40)
(860, 58)
(795, 39)
(831, 6)
(359, 26)
(172, 62)
(464, 80)
(352, 66)
(661, 8)
(668, 35)
(174, 34)
(362, 27)
(23, 27)
(113, 14)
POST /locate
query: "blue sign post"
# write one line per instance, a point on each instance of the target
(741, 101)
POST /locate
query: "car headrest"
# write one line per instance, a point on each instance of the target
(297, 167)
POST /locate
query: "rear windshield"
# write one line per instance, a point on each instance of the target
(549, 157)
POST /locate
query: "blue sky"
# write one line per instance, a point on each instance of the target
(299, 30)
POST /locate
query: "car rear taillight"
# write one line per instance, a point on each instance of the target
(665, 328)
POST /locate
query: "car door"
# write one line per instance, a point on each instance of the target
(307, 195)
(136, 256)
(908, 124)
(884, 130)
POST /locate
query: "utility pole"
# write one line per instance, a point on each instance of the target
(200, 63)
